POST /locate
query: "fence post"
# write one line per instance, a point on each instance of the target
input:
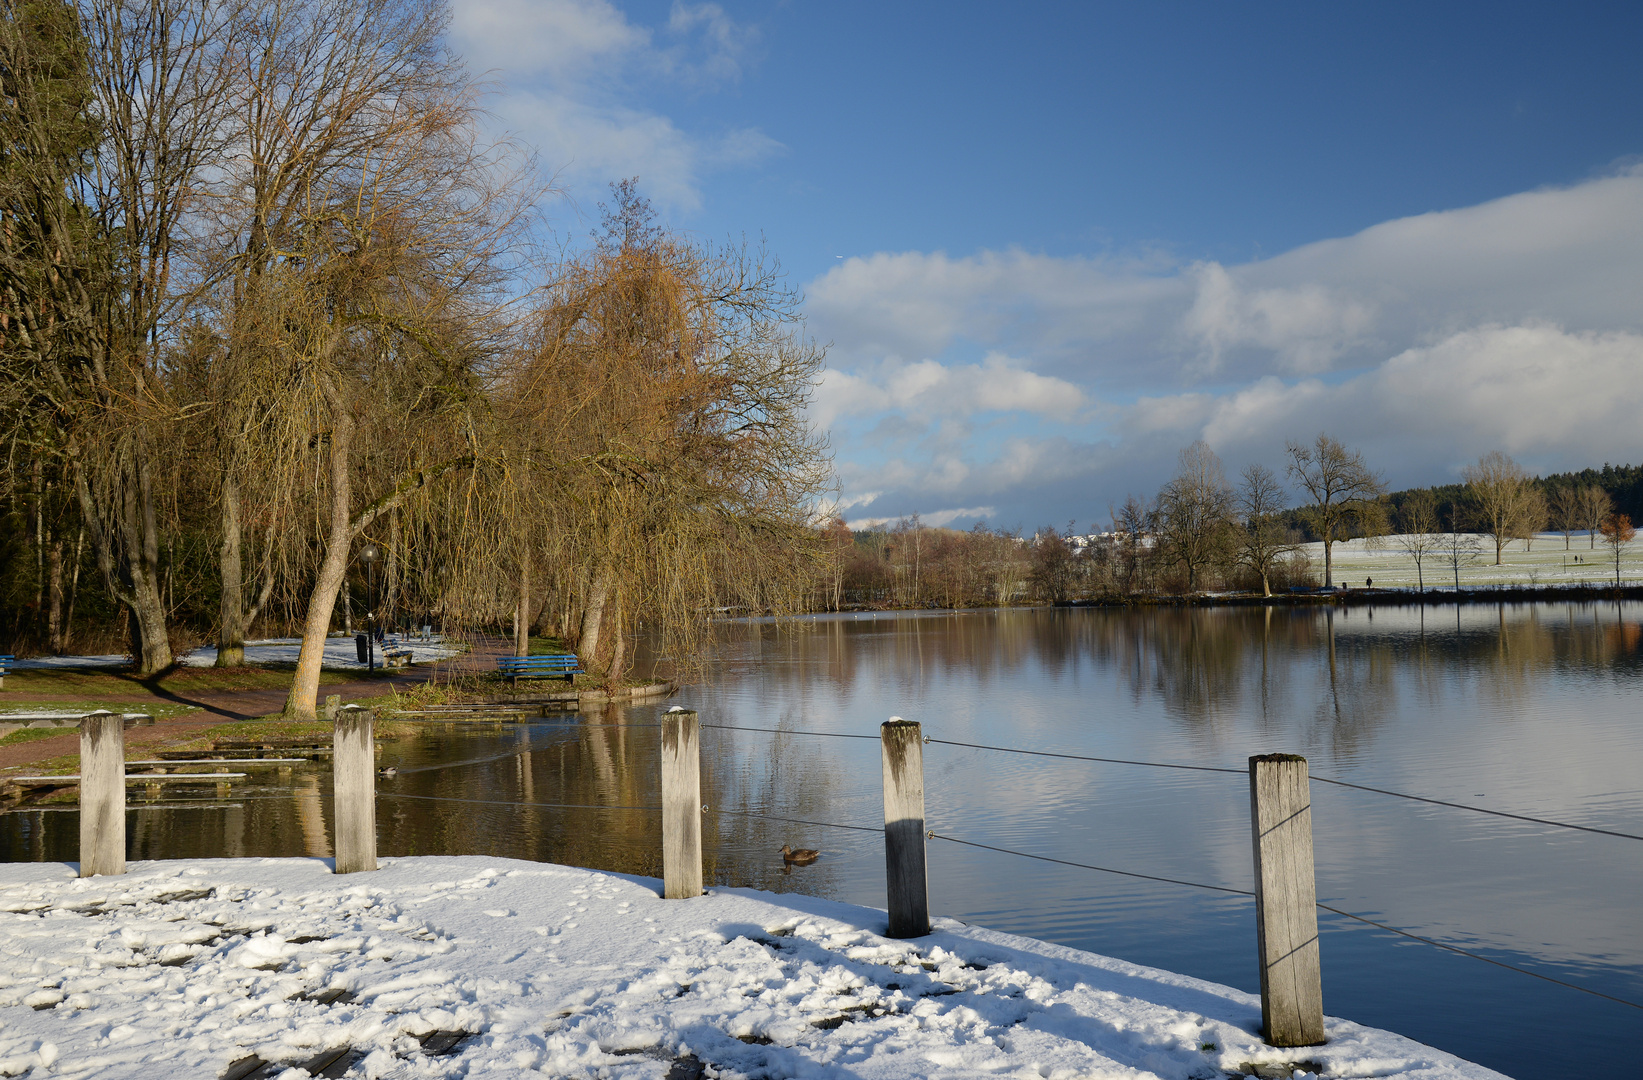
(681, 804)
(907, 885)
(354, 789)
(1286, 912)
(102, 794)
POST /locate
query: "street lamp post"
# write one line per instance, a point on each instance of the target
(370, 557)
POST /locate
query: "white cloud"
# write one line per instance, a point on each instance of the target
(572, 75)
(934, 518)
(1571, 256)
(913, 304)
(926, 390)
(1425, 341)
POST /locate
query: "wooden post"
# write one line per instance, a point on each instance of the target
(354, 790)
(907, 884)
(681, 804)
(102, 794)
(1286, 912)
(333, 705)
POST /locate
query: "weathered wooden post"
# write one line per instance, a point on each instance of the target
(354, 789)
(102, 794)
(907, 884)
(1286, 912)
(681, 804)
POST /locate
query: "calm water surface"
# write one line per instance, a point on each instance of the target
(1529, 709)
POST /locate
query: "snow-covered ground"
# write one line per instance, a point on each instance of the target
(1546, 563)
(182, 969)
(340, 654)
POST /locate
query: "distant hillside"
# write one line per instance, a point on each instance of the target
(1624, 484)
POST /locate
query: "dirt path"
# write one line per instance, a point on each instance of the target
(223, 706)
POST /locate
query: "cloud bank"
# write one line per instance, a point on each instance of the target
(1043, 387)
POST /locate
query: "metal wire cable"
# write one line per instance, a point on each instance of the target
(1085, 757)
(503, 802)
(1320, 779)
(798, 821)
(1480, 809)
(1479, 956)
(784, 731)
(1326, 907)
(1087, 866)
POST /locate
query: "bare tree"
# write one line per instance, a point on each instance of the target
(1134, 523)
(1054, 565)
(1595, 506)
(1418, 534)
(1563, 511)
(1195, 511)
(1263, 540)
(314, 103)
(1459, 548)
(1502, 494)
(1617, 532)
(1339, 485)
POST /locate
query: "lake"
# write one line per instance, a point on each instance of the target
(1528, 709)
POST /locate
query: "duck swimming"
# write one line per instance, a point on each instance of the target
(801, 857)
(389, 771)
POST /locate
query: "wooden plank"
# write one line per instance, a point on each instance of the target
(1286, 913)
(907, 883)
(354, 779)
(681, 804)
(102, 794)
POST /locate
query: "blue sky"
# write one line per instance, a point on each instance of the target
(1050, 245)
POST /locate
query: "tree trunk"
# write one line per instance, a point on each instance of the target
(304, 696)
(230, 563)
(593, 617)
(54, 596)
(73, 588)
(390, 603)
(522, 612)
(1329, 565)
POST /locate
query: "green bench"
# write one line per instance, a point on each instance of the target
(556, 666)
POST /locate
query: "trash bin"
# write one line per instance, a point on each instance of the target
(362, 642)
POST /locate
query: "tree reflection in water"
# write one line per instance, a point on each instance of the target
(1522, 707)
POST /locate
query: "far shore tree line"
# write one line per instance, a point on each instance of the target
(280, 355)
(1204, 532)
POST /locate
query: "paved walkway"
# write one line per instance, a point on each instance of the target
(223, 706)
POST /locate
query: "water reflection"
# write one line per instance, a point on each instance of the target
(1523, 708)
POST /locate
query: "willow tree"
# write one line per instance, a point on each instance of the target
(321, 94)
(382, 326)
(665, 386)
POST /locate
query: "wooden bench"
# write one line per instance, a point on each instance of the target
(563, 665)
(395, 655)
(5, 663)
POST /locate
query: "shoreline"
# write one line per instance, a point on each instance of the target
(1354, 596)
(480, 966)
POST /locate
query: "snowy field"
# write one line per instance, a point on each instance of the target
(340, 654)
(482, 967)
(1547, 563)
